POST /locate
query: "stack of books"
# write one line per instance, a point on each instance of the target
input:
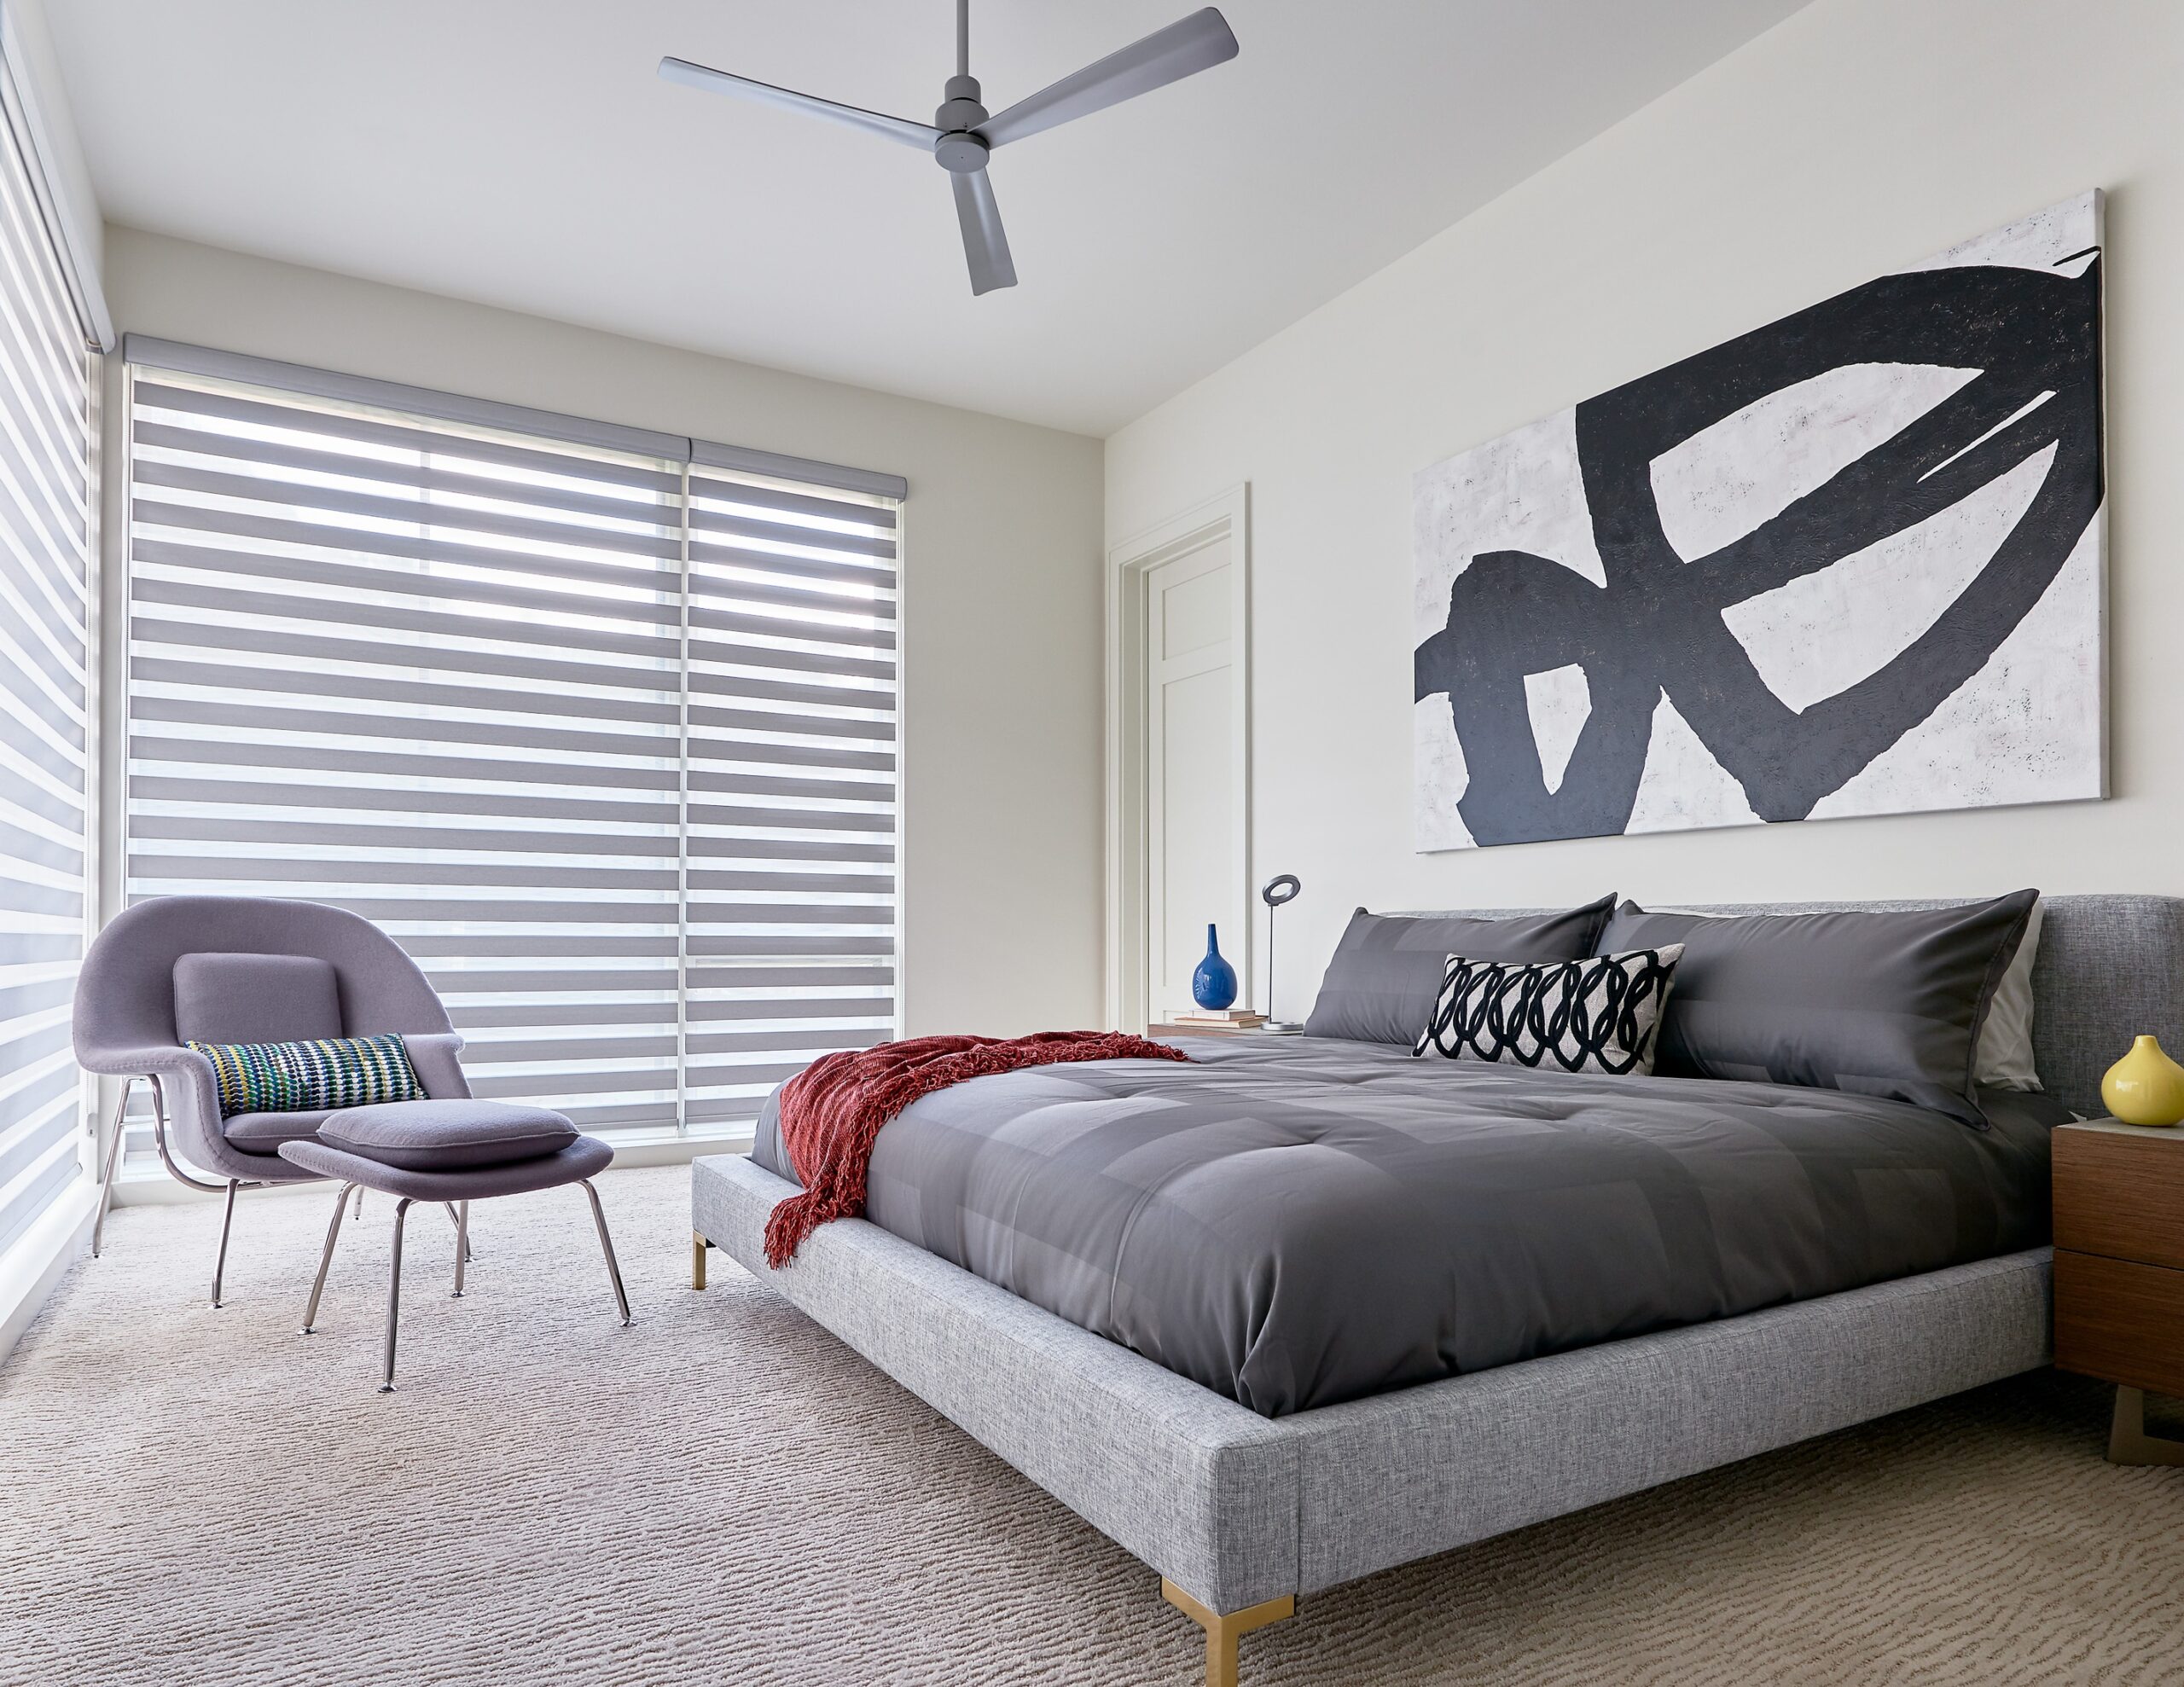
(1220, 1019)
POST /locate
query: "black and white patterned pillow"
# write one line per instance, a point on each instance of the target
(1595, 1015)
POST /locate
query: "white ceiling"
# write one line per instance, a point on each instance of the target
(522, 153)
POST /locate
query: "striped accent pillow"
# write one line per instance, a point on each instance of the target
(329, 1072)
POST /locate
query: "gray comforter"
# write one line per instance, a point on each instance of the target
(1294, 1222)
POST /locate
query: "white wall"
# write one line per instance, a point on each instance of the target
(1856, 136)
(1000, 611)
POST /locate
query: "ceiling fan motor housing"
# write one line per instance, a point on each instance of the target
(957, 148)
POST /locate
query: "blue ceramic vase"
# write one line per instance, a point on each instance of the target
(1213, 985)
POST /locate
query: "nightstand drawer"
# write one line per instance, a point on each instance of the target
(2121, 1322)
(2121, 1196)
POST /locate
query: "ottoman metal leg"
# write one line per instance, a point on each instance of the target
(606, 1247)
(326, 1256)
(393, 1294)
(227, 1223)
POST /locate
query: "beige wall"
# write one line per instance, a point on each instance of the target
(1856, 136)
(1000, 613)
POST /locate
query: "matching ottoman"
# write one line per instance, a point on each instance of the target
(454, 1152)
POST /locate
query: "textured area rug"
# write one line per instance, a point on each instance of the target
(724, 1494)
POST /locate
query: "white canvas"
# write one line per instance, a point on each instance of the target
(1848, 564)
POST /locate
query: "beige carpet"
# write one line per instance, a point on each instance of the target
(724, 1494)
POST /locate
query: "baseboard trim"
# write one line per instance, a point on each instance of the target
(32, 1269)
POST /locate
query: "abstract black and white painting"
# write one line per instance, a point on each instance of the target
(1850, 563)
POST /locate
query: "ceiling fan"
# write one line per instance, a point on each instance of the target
(961, 134)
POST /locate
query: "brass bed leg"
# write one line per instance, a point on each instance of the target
(698, 1245)
(1224, 1628)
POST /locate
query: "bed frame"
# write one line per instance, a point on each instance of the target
(1242, 1514)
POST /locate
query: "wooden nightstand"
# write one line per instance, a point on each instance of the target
(2119, 1271)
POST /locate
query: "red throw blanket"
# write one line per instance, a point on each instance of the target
(832, 1112)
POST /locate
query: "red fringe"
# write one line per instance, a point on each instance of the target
(832, 1112)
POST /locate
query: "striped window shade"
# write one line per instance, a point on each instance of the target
(48, 434)
(576, 728)
(791, 945)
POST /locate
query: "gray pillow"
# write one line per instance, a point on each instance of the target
(448, 1135)
(1886, 1003)
(1386, 972)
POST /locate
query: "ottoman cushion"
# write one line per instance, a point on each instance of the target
(439, 1136)
(587, 1157)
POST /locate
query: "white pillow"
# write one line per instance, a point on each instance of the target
(2004, 1058)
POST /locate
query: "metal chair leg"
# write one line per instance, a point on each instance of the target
(393, 1294)
(227, 1222)
(112, 1161)
(326, 1257)
(462, 1244)
(461, 1229)
(360, 1200)
(606, 1247)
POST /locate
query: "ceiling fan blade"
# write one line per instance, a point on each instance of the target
(877, 123)
(985, 243)
(1198, 43)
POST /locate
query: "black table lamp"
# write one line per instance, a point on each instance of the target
(1275, 893)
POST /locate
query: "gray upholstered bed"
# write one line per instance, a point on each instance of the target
(1240, 1511)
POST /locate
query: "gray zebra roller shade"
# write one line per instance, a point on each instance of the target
(607, 741)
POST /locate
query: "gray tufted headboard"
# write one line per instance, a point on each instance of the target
(2108, 968)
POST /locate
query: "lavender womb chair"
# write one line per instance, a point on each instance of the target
(177, 969)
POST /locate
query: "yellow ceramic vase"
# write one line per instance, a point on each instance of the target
(2145, 1087)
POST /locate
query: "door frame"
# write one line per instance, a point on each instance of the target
(1225, 516)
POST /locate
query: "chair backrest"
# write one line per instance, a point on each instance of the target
(225, 998)
(247, 969)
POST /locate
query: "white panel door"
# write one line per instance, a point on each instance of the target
(1194, 876)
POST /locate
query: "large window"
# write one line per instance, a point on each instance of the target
(47, 495)
(604, 739)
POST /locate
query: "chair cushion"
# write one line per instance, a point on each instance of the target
(293, 1077)
(264, 1132)
(255, 998)
(435, 1136)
